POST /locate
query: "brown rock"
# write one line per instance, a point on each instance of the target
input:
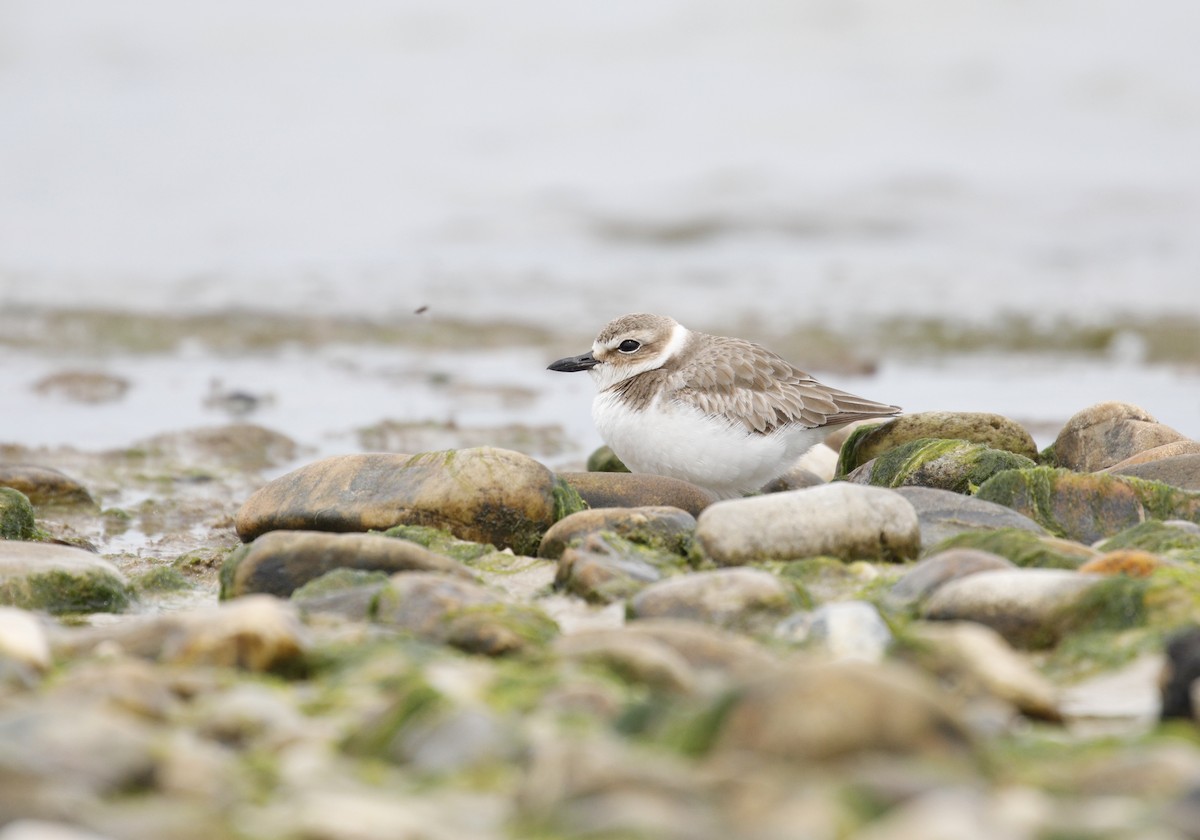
(1108, 433)
(1126, 561)
(485, 495)
(991, 430)
(606, 490)
(1182, 471)
(669, 528)
(45, 487)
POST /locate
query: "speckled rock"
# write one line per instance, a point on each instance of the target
(944, 513)
(1106, 434)
(1023, 548)
(841, 520)
(943, 567)
(1024, 606)
(1182, 471)
(666, 528)
(1088, 507)
(990, 430)
(814, 712)
(279, 562)
(59, 579)
(606, 568)
(16, 515)
(45, 487)
(441, 608)
(970, 651)
(727, 597)
(484, 495)
(955, 465)
(626, 490)
(23, 639)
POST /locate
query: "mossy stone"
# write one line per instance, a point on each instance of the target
(1158, 538)
(59, 579)
(991, 430)
(605, 460)
(1023, 548)
(16, 515)
(944, 464)
(441, 541)
(1087, 507)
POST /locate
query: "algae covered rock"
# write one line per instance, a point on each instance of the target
(666, 528)
(59, 579)
(1174, 540)
(991, 430)
(603, 459)
(45, 487)
(605, 567)
(1088, 507)
(279, 562)
(1106, 434)
(943, 567)
(849, 521)
(1022, 548)
(956, 465)
(624, 490)
(944, 513)
(16, 515)
(484, 495)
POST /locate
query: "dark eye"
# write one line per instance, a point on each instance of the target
(629, 346)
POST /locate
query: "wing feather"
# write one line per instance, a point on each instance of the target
(751, 386)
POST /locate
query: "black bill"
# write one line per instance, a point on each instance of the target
(573, 363)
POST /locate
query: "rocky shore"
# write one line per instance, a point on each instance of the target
(929, 629)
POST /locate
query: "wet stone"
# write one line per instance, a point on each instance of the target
(1025, 606)
(818, 712)
(45, 487)
(630, 490)
(991, 430)
(944, 513)
(605, 568)
(59, 579)
(666, 528)
(955, 465)
(16, 515)
(279, 562)
(1182, 471)
(1088, 507)
(943, 567)
(842, 520)
(1106, 434)
(727, 597)
(483, 495)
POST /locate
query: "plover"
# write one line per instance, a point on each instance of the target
(723, 413)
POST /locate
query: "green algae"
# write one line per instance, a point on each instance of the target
(604, 459)
(412, 699)
(497, 629)
(1087, 506)
(849, 456)
(1024, 548)
(442, 542)
(59, 592)
(161, 579)
(1158, 538)
(566, 500)
(338, 580)
(947, 464)
(16, 515)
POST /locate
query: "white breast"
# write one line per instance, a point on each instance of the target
(677, 440)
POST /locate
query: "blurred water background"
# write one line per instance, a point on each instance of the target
(326, 216)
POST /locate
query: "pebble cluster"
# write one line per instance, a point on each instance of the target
(935, 631)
